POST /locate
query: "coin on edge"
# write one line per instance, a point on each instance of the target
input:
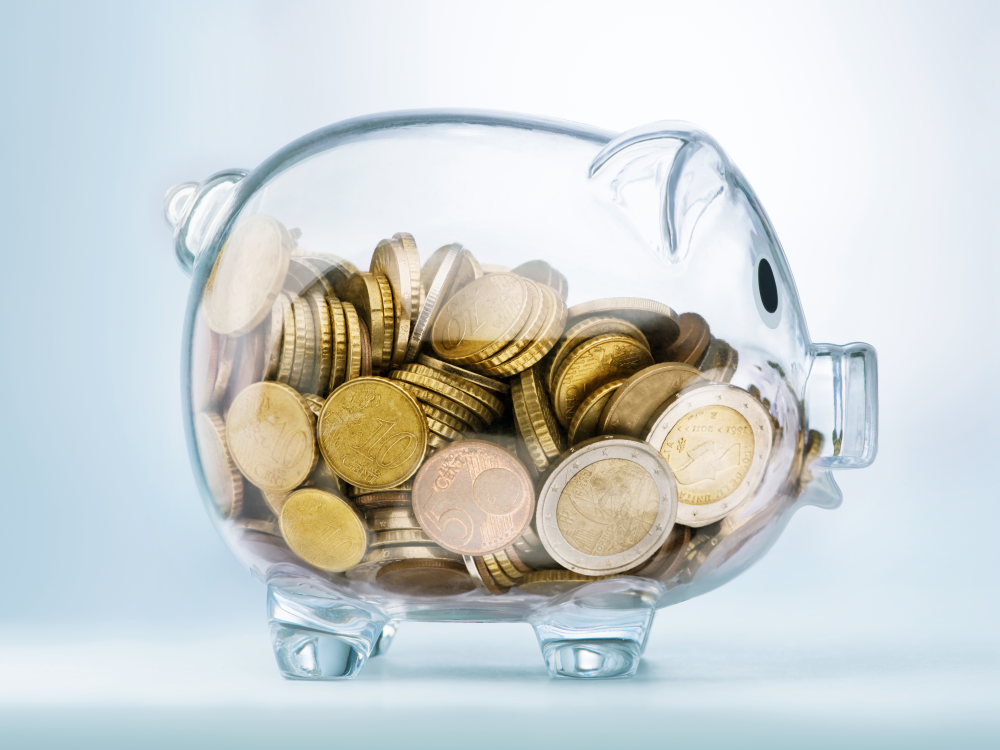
(338, 353)
(222, 477)
(490, 384)
(324, 530)
(364, 293)
(372, 433)
(247, 276)
(446, 266)
(473, 497)
(717, 439)
(631, 406)
(394, 259)
(584, 423)
(352, 324)
(607, 505)
(552, 582)
(592, 364)
(271, 436)
(481, 576)
(546, 338)
(539, 410)
(657, 321)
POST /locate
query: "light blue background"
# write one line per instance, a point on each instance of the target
(870, 133)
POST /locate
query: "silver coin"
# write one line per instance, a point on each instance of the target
(717, 439)
(608, 504)
(433, 298)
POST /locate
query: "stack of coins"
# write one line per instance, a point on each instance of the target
(434, 430)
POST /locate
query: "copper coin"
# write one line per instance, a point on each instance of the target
(473, 497)
(691, 342)
(632, 405)
(425, 578)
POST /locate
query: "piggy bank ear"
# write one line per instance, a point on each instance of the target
(663, 177)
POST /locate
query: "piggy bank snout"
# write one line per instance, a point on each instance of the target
(841, 400)
(193, 211)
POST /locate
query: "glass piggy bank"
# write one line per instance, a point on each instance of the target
(464, 366)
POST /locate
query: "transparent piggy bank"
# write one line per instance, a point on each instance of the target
(463, 366)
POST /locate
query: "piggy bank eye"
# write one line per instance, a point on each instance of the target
(765, 293)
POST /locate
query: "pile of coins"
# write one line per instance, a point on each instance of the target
(439, 428)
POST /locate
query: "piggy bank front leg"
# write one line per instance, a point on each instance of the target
(323, 635)
(598, 630)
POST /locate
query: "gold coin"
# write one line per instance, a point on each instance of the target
(354, 490)
(247, 276)
(372, 433)
(492, 268)
(444, 389)
(482, 578)
(439, 415)
(260, 525)
(719, 362)
(592, 364)
(525, 430)
(584, 423)
(274, 337)
(314, 402)
(473, 497)
(543, 273)
(480, 394)
(338, 352)
(424, 578)
(539, 411)
(387, 499)
(391, 519)
(364, 293)
(445, 265)
(506, 562)
(397, 537)
(631, 406)
(533, 458)
(388, 323)
(320, 380)
(496, 572)
(582, 332)
(606, 505)
(305, 345)
(353, 367)
(717, 439)
(541, 308)
(692, 341)
(324, 530)
(397, 260)
(656, 320)
(547, 337)
(481, 319)
(287, 359)
(552, 582)
(271, 436)
(222, 478)
(445, 404)
(494, 386)
(444, 430)
(436, 441)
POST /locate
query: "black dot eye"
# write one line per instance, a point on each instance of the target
(767, 286)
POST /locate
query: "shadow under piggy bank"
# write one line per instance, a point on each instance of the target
(657, 215)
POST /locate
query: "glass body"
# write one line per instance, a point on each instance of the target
(658, 213)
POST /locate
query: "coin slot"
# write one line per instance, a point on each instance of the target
(768, 288)
(765, 293)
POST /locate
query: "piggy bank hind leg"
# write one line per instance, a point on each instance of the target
(323, 636)
(598, 630)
